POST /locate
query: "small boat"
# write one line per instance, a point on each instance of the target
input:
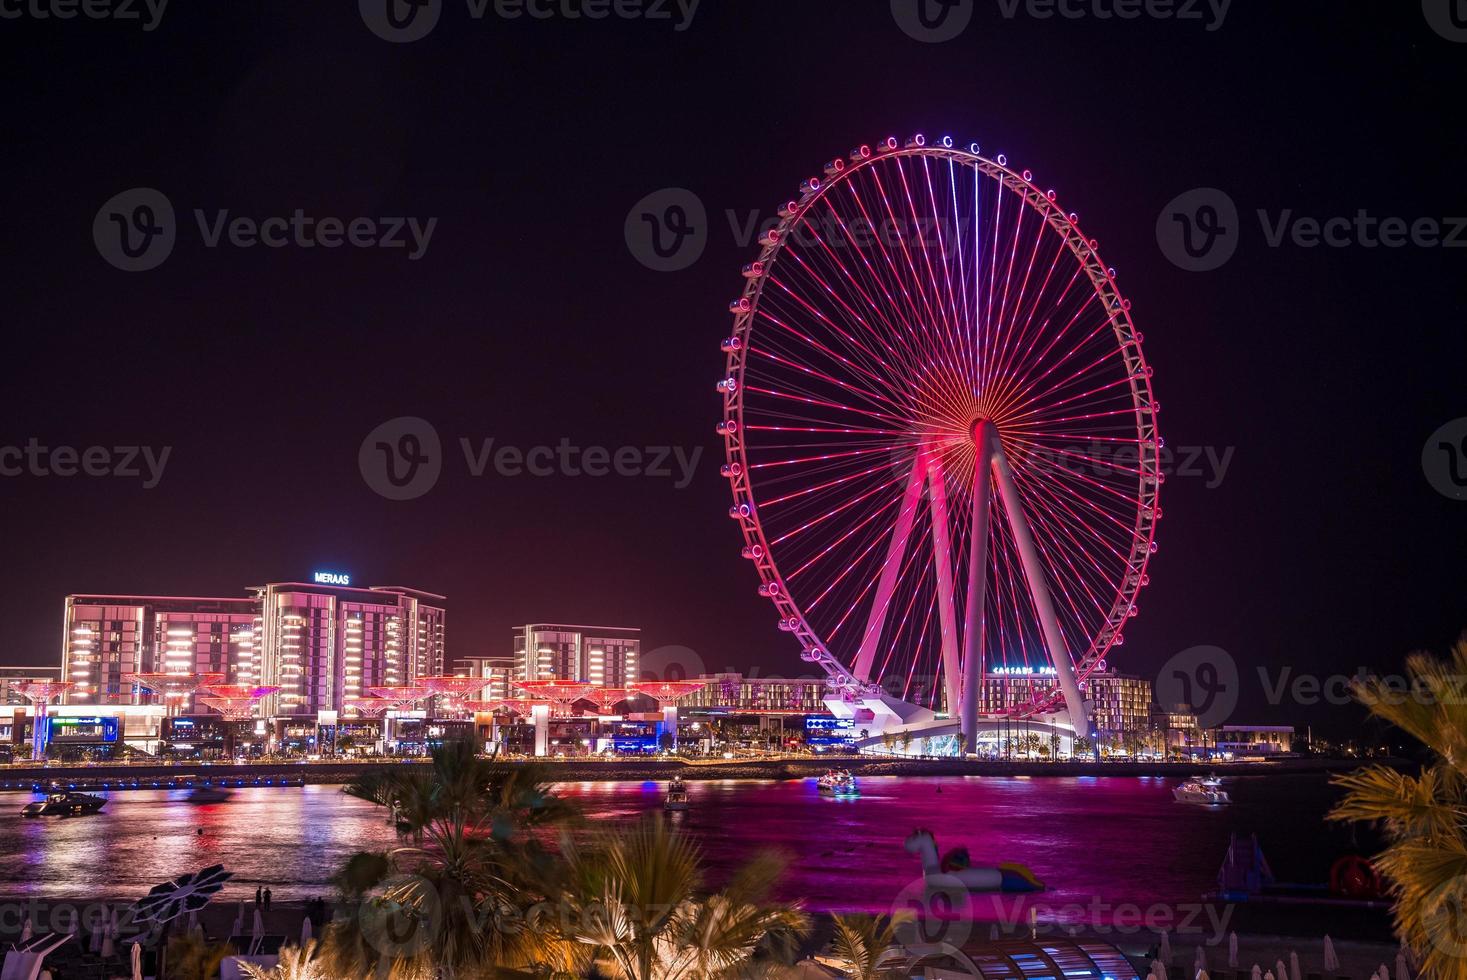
(1203, 792)
(839, 783)
(677, 795)
(208, 794)
(64, 805)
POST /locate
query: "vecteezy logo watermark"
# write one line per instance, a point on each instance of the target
(1199, 230)
(144, 463)
(402, 458)
(1204, 679)
(402, 917)
(1444, 459)
(136, 230)
(670, 663)
(667, 230)
(1200, 921)
(149, 13)
(401, 21)
(1178, 10)
(1447, 17)
(1103, 459)
(932, 21)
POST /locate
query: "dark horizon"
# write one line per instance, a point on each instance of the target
(1319, 373)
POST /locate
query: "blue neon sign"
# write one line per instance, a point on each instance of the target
(330, 578)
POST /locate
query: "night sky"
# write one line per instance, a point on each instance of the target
(528, 318)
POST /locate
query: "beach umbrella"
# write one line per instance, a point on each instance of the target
(1166, 949)
(137, 961)
(1384, 971)
(1158, 969)
(1202, 975)
(95, 943)
(1233, 950)
(193, 921)
(305, 931)
(25, 928)
(1257, 973)
(1199, 962)
(1294, 965)
(1331, 961)
(1269, 975)
(107, 935)
(1401, 972)
(257, 928)
(1280, 971)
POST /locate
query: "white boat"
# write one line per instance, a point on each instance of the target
(677, 795)
(840, 783)
(1204, 792)
(208, 794)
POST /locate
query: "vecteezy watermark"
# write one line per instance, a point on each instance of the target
(1340, 689)
(1210, 13)
(1198, 921)
(403, 21)
(1208, 463)
(137, 229)
(1444, 459)
(1447, 17)
(148, 13)
(932, 21)
(935, 21)
(667, 230)
(1204, 680)
(33, 459)
(1200, 230)
(671, 663)
(402, 458)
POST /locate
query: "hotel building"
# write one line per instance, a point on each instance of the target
(319, 643)
(760, 695)
(496, 671)
(1122, 702)
(602, 655)
(12, 679)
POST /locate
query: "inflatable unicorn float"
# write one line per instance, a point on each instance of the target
(957, 867)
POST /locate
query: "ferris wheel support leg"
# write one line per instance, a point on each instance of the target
(886, 584)
(1064, 668)
(973, 609)
(942, 556)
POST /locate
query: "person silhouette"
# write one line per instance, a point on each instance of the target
(257, 896)
(267, 898)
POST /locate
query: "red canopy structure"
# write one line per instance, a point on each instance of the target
(667, 694)
(607, 698)
(235, 701)
(400, 697)
(40, 694)
(450, 690)
(562, 694)
(174, 688)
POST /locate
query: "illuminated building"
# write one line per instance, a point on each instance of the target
(496, 672)
(1122, 703)
(322, 643)
(760, 695)
(12, 679)
(605, 656)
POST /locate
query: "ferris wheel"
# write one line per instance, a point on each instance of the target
(940, 431)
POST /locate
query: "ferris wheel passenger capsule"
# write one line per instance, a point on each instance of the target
(918, 140)
(789, 209)
(947, 142)
(973, 148)
(862, 152)
(787, 625)
(753, 270)
(769, 589)
(888, 144)
(740, 305)
(753, 552)
(727, 427)
(834, 167)
(731, 344)
(728, 386)
(770, 237)
(810, 656)
(1049, 194)
(1028, 175)
(731, 470)
(1120, 640)
(808, 187)
(741, 512)
(1002, 160)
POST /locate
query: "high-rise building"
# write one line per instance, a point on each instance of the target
(601, 655)
(760, 695)
(1122, 702)
(320, 642)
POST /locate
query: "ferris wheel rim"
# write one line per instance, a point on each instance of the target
(1127, 339)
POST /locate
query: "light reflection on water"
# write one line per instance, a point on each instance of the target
(1112, 839)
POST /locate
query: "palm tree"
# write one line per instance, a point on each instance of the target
(295, 963)
(866, 948)
(635, 911)
(471, 865)
(1424, 816)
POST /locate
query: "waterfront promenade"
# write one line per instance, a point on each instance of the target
(185, 773)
